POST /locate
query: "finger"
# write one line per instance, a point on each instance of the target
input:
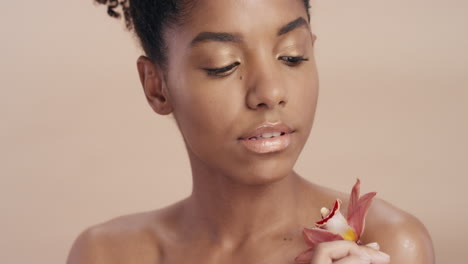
(377, 257)
(354, 260)
(326, 252)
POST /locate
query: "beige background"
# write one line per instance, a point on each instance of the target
(79, 145)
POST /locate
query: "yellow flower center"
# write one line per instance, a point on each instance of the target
(350, 235)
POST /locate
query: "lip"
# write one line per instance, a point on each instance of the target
(267, 127)
(268, 145)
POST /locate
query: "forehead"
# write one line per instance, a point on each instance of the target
(249, 18)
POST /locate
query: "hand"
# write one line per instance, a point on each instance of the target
(347, 252)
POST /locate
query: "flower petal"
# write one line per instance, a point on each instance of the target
(305, 256)
(354, 197)
(313, 236)
(336, 208)
(357, 217)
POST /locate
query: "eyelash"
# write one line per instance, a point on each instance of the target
(293, 61)
(224, 71)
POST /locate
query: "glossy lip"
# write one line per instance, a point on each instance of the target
(268, 127)
(267, 145)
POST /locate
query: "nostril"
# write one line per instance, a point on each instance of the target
(261, 105)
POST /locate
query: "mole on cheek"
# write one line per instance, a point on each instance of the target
(240, 78)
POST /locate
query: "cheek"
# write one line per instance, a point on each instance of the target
(303, 100)
(310, 92)
(207, 112)
(303, 92)
(309, 100)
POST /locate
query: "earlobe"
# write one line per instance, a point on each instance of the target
(154, 85)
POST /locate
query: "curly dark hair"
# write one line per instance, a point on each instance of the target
(148, 18)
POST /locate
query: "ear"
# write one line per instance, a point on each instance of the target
(154, 85)
(314, 37)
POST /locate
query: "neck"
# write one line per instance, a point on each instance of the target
(224, 211)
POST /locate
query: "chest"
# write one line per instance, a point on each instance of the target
(274, 253)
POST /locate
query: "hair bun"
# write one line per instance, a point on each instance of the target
(112, 5)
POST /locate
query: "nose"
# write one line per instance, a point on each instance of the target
(266, 90)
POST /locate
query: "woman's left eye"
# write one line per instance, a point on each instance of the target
(224, 71)
(293, 61)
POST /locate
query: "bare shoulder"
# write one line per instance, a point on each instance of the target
(134, 238)
(116, 241)
(399, 234)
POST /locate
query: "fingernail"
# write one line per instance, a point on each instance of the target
(374, 245)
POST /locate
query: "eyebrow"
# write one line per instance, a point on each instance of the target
(299, 22)
(215, 36)
(235, 38)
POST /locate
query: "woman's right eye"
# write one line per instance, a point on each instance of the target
(221, 72)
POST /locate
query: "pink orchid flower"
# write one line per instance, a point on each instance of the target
(334, 226)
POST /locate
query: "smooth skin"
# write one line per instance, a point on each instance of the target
(244, 207)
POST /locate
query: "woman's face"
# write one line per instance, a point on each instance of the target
(233, 66)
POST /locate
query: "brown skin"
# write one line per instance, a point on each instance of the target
(245, 207)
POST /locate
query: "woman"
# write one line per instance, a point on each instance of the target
(240, 79)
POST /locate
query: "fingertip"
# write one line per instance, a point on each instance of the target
(384, 256)
(374, 245)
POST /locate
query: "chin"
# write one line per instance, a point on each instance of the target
(261, 169)
(263, 172)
